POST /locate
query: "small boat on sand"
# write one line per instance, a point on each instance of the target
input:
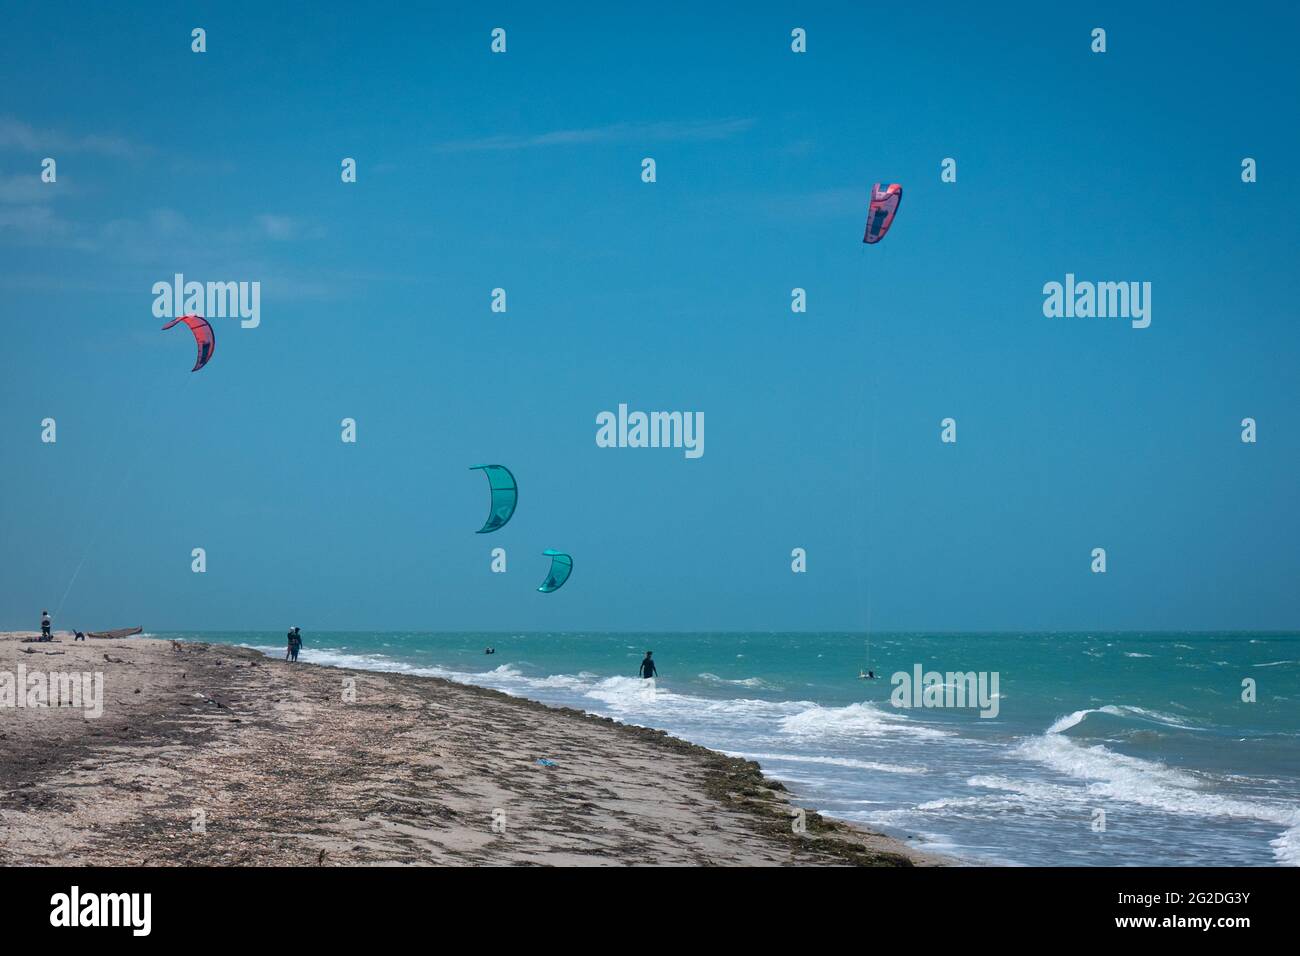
(120, 632)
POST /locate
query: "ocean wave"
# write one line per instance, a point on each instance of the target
(634, 696)
(1044, 796)
(1146, 783)
(562, 681)
(1063, 724)
(828, 761)
(366, 662)
(862, 719)
(1286, 848)
(740, 682)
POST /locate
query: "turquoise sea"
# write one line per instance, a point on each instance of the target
(1107, 749)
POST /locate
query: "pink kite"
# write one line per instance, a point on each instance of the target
(203, 337)
(884, 204)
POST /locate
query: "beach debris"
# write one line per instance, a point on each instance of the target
(547, 763)
(204, 337)
(505, 495)
(880, 215)
(561, 568)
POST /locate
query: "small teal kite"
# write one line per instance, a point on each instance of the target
(505, 495)
(561, 568)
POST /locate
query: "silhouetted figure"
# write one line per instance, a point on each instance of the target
(648, 668)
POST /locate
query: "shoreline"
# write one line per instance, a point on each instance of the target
(219, 755)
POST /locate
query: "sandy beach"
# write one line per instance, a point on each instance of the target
(217, 755)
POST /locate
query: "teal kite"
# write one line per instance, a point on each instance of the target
(505, 495)
(561, 568)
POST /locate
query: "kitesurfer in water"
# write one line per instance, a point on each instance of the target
(648, 668)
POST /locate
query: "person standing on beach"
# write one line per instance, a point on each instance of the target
(295, 644)
(45, 626)
(648, 669)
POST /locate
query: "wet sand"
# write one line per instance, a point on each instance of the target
(211, 755)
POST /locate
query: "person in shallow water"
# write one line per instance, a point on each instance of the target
(648, 668)
(45, 626)
(295, 644)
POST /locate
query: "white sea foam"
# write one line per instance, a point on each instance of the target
(562, 681)
(1041, 795)
(740, 682)
(369, 662)
(862, 719)
(828, 761)
(1286, 848)
(1114, 776)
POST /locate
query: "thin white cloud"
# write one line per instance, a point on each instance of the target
(280, 228)
(673, 131)
(28, 188)
(159, 233)
(847, 201)
(277, 227)
(23, 137)
(35, 223)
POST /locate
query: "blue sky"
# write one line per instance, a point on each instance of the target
(523, 171)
